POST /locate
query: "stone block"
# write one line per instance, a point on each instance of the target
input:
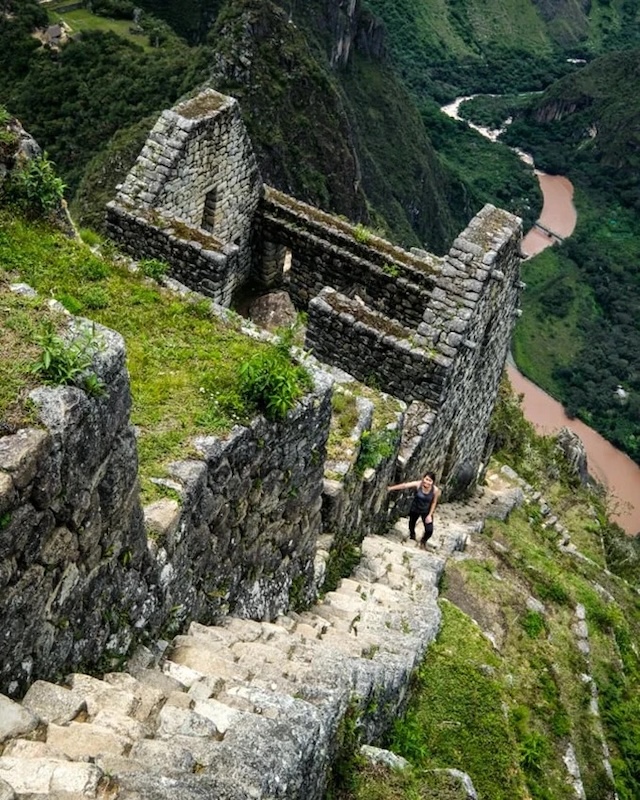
(21, 454)
(53, 703)
(100, 695)
(15, 720)
(174, 721)
(84, 740)
(42, 776)
(161, 756)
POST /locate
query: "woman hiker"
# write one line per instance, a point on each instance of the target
(424, 504)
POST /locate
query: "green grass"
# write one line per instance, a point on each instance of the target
(543, 339)
(22, 319)
(456, 717)
(82, 20)
(183, 362)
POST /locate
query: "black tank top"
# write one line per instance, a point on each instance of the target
(421, 501)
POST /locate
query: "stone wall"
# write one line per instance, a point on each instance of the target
(452, 363)
(326, 251)
(73, 555)
(195, 180)
(471, 321)
(85, 573)
(347, 334)
(245, 537)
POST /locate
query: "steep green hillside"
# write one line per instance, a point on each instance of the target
(508, 691)
(588, 123)
(447, 48)
(75, 99)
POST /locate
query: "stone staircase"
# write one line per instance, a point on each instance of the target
(244, 709)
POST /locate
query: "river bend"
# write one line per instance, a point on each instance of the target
(608, 465)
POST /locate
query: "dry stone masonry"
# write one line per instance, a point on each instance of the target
(243, 709)
(249, 701)
(433, 331)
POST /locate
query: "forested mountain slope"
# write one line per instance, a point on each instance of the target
(450, 47)
(316, 129)
(580, 338)
(590, 121)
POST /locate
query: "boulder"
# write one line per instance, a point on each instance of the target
(273, 310)
(573, 449)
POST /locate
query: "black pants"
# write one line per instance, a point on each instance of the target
(428, 528)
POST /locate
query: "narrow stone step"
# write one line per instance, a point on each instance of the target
(100, 695)
(53, 703)
(83, 740)
(149, 699)
(43, 776)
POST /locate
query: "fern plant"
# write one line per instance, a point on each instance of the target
(271, 381)
(63, 362)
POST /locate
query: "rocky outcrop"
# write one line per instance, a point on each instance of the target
(350, 25)
(575, 453)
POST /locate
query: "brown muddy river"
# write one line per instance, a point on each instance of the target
(558, 213)
(609, 466)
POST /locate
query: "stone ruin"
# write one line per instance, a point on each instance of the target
(86, 573)
(75, 542)
(433, 331)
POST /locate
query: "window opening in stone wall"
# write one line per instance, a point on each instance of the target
(209, 213)
(286, 266)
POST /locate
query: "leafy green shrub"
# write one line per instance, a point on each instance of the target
(361, 234)
(271, 382)
(153, 268)
(375, 446)
(35, 187)
(391, 270)
(67, 362)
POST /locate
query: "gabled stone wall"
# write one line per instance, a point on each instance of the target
(452, 362)
(195, 184)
